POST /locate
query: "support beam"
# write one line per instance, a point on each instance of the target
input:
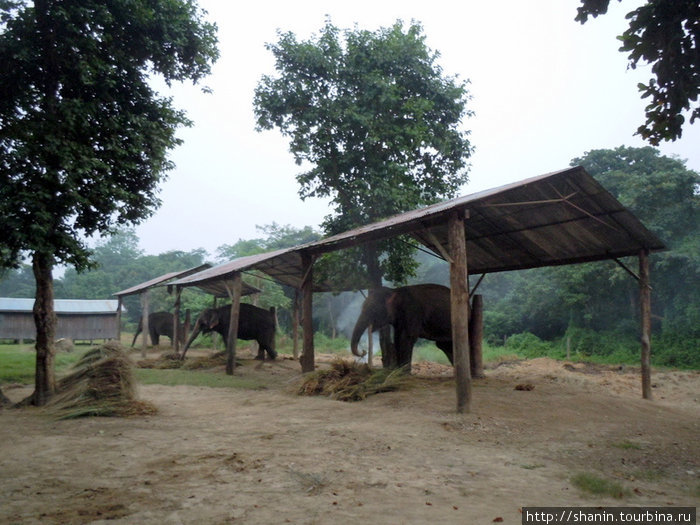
(119, 319)
(307, 358)
(476, 336)
(176, 320)
(645, 310)
(234, 288)
(144, 321)
(459, 293)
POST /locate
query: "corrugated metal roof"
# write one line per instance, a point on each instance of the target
(162, 280)
(62, 306)
(559, 218)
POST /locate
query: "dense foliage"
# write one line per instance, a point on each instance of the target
(665, 34)
(376, 122)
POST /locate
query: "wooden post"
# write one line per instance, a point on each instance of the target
(144, 321)
(476, 336)
(307, 357)
(459, 305)
(188, 324)
(645, 307)
(119, 319)
(234, 289)
(295, 325)
(176, 320)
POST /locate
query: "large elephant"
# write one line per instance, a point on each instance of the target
(253, 324)
(422, 310)
(159, 323)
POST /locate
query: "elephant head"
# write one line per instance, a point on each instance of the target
(209, 320)
(374, 312)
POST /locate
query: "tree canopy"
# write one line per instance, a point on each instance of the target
(374, 120)
(665, 34)
(84, 137)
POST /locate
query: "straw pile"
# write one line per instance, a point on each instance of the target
(173, 361)
(350, 381)
(102, 384)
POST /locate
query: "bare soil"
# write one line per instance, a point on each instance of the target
(262, 456)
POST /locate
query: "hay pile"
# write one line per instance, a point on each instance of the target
(101, 384)
(350, 381)
(173, 361)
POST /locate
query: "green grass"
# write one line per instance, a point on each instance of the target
(627, 445)
(168, 377)
(18, 362)
(598, 486)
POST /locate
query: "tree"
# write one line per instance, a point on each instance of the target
(378, 123)
(665, 34)
(83, 136)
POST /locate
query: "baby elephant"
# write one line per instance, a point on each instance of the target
(253, 324)
(159, 323)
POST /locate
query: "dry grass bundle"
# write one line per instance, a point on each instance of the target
(350, 381)
(210, 361)
(101, 384)
(165, 361)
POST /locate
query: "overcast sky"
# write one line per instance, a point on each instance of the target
(545, 90)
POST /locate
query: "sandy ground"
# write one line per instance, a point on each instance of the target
(263, 456)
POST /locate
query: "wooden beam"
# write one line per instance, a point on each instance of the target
(144, 321)
(440, 248)
(176, 320)
(645, 307)
(459, 304)
(307, 358)
(234, 288)
(119, 319)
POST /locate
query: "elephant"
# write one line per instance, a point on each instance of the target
(421, 310)
(253, 324)
(159, 323)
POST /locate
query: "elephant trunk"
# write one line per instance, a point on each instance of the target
(360, 327)
(195, 332)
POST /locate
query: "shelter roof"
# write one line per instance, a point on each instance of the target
(284, 266)
(61, 306)
(558, 218)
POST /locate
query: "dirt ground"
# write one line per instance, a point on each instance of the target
(217, 455)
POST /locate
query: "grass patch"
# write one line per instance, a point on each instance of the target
(18, 362)
(627, 445)
(599, 486)
(174, 377)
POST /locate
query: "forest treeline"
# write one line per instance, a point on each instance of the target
(593, 308)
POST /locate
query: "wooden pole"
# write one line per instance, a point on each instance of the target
(234, 289)
(307, 357)
(119, 319)
(476, 336)
(645, 307)
(459, 305)
(176, 320)
(144, 321)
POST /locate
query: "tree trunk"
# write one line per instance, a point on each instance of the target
(45, 321)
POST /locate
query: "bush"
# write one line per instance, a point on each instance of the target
(528, 345)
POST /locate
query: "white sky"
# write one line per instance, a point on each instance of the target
(545, 90)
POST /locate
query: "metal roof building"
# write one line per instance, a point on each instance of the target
(77, 319)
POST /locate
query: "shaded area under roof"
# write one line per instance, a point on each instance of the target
(559, 218)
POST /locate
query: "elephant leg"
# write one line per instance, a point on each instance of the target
(388, 348)
(404, 348)
(446, 346)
